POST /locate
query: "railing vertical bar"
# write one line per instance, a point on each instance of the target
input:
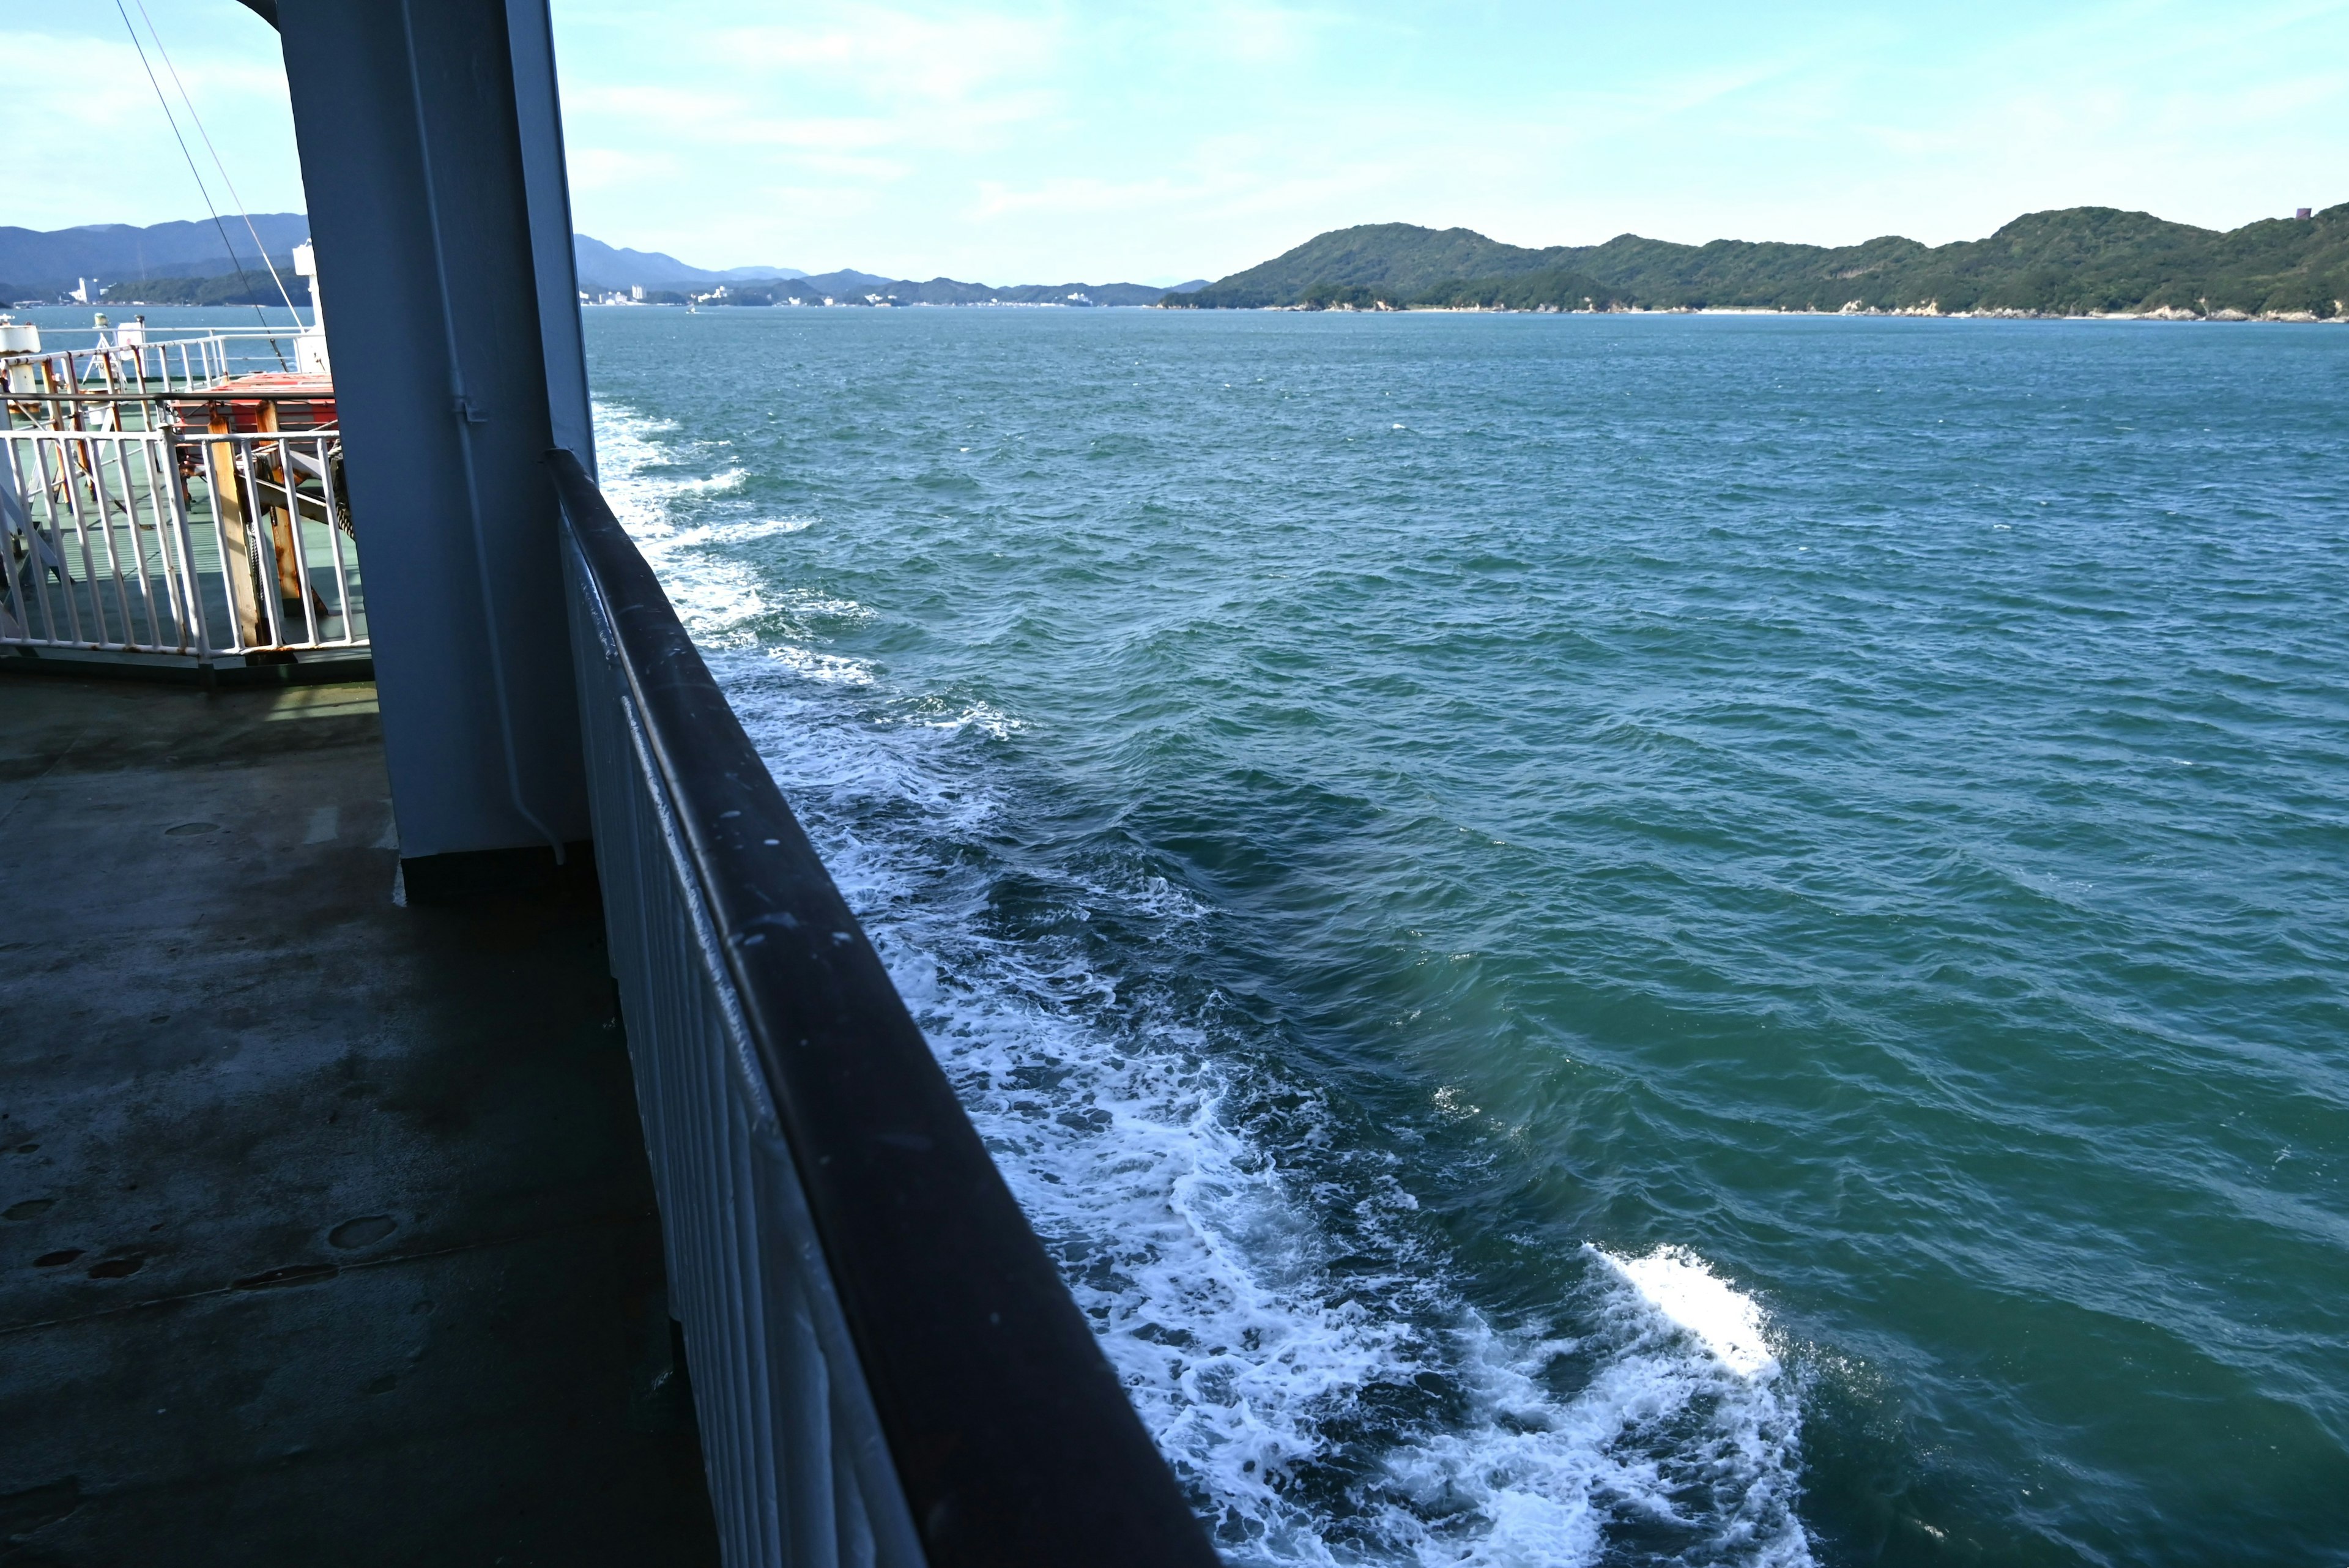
(102, 505)
(164, 490)
(660, 1004)
(260, 540)
(19, 609)
(74, 459)
(40, 515)
(348, 611)
(726, 1302)
(154, 455)
(803, 1392)
(154, 639)
(755, 1313)
(707, 1332)
(23, 587)
(192, 602)
(68, 483)
(138, 499)
(294, 528)
(160, 504)
(37, 538)
(746, 1371)
(159, 509)
(705, 1339)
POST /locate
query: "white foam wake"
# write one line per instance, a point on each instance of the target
(1288, 1330)
(1683, 1289)
(718, 597)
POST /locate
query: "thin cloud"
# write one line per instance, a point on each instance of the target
(894, 56)
(1012, 140)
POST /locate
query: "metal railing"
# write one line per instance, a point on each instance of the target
(885, 1365)
(133, 361)
(171, 541)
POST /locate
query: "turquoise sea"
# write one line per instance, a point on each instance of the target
(1596, 940)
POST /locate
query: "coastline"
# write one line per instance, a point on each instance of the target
(1927, 312)
(2167, 314)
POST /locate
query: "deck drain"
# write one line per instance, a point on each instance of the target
(56, 1260)
(117, 1268)
(352, 1235)
(292, 1274)
(30, 1209)
(184, 829)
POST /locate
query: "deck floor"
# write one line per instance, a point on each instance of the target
(326, 1230)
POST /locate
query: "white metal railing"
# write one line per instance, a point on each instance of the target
(132, 362)
(173, 541)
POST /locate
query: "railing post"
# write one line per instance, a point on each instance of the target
(192, 628)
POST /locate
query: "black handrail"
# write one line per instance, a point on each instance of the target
(1011, 1439)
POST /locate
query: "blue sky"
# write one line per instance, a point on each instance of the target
(1158, 141)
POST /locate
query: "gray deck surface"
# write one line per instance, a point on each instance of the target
(325, 1231)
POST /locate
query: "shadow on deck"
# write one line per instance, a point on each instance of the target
(326, 1230)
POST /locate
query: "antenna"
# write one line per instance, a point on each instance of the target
(165, 104)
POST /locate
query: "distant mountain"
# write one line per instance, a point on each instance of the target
(253, 286)
(185, 263)
(866, 289)
(2077, 261)
(603, 266)
(36, 261)
(847, 280)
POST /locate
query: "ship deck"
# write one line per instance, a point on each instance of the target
(326, 1229)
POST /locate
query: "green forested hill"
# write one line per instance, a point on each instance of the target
(2078, 261)
(1400, 259)
(252, 286)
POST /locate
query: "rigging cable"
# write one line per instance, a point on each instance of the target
(197, 120)
(165, 104)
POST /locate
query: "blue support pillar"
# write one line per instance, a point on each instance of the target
(432, 159)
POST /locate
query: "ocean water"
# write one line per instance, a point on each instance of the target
(1594, 940)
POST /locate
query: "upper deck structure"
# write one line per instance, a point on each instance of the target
(456, 1118)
